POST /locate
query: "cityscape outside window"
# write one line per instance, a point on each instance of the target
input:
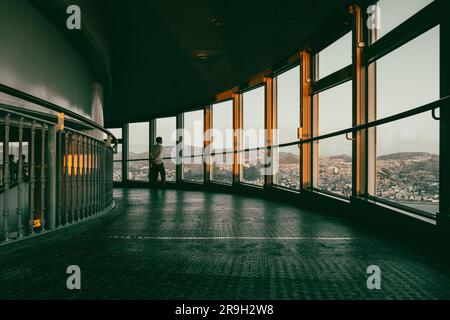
(193, 146)
(335, 154)
(222, 168)
(334, 163)
(117, 172)
(253, 104)
(288, 116)
(138, 151)
(407, 153)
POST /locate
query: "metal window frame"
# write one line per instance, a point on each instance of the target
(232, 100)
(409, 30)
(275, 111)
(362, 73)
(258, 83)
(183, 180)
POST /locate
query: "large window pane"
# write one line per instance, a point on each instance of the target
(407, 162)
(407, 151)
(335, 166)
(335, 109)
(287, 172)
(193, 146)
(335, 57)
(409, 76)
(394, 12)
(166, 129)
(222, 141)
(138, 142)
(117, 170)
(253, 104)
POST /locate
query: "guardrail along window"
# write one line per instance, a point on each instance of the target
(253, 136)
(138, 151)
(287, 86)
(407, 150)
(193, 146)
(222, 141)
(166, 129)
(117, 170)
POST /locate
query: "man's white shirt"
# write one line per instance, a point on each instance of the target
(157, 153)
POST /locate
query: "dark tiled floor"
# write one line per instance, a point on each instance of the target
(194, 245)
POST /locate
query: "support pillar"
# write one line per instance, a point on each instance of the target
(359, 139)
(270, 162)
(179, 146)
(305, 120)
(237, 139)
(207, 126)
(50, 178)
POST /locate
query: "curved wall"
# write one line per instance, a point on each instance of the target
(36, 58)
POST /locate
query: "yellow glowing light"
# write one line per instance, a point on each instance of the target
(37, 223)
(60, 125)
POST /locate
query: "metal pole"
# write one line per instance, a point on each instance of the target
(66, 178)
(20, 181)
(6, 180)
(72, 177)
(43, 221)
(60, 166)
(32, 177)
(79, 178)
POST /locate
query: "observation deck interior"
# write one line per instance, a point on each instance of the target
(304, 144)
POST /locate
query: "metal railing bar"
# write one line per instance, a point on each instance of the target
(25, 116)
(400, 116)
(33, 99)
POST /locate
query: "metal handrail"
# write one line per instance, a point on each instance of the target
(4, 108)
(427, 107)
(403, 115)
(33, 99)
(406, 114)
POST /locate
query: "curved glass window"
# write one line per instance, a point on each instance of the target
(222, 141)
(193, 146)
(287, 170)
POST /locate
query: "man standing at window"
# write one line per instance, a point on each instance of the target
(157, 164)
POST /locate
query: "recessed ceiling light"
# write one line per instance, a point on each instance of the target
(216, 22)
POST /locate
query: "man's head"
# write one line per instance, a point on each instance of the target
(11, 157)
(159, 140)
